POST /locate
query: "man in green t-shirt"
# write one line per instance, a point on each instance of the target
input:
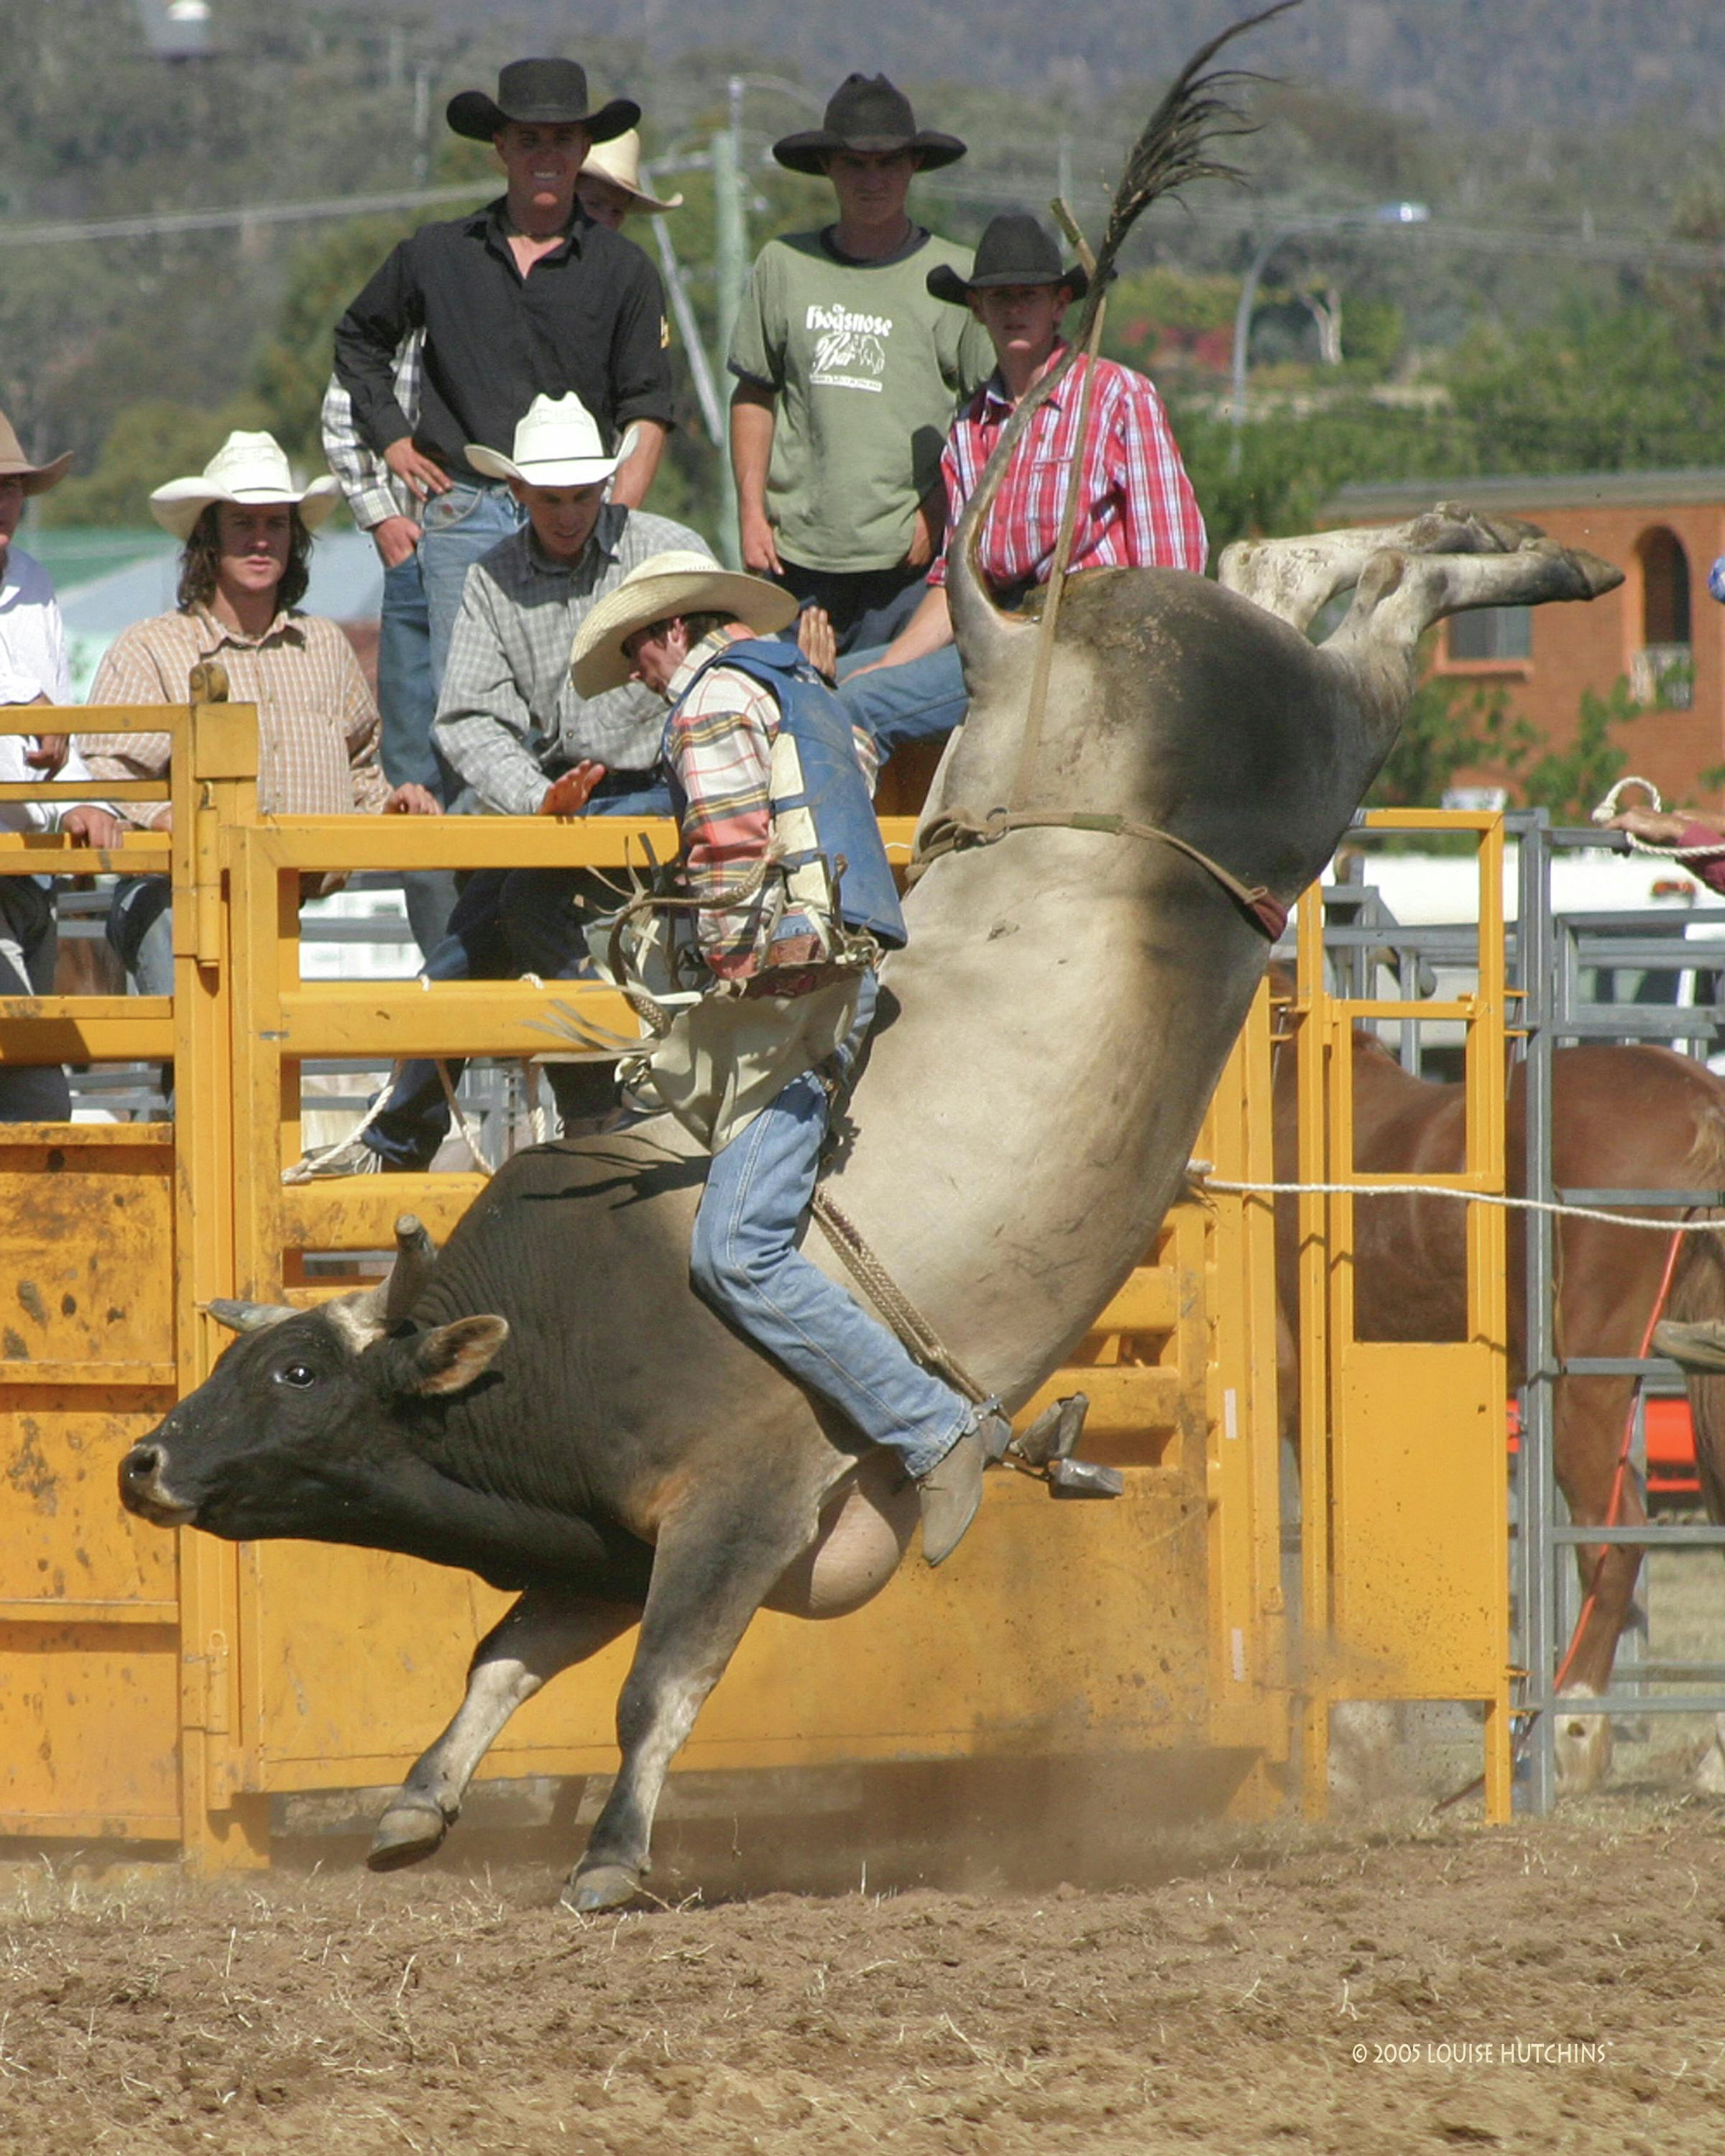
(848, 374)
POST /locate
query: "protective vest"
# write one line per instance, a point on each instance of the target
(819, 799)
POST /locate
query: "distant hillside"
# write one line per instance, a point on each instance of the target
(1476, 63)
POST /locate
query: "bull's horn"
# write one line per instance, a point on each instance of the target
(415, 1255)
(247, 1317)
(370, 1312)
(1699, 1346)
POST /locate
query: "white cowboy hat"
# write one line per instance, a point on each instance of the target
(620, 162)
(556, 444)
(252, 469)
(679, 582)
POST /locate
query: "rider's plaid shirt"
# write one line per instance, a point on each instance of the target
(719, 743)
(1136, 509)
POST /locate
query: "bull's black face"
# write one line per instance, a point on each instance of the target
(297, 1428)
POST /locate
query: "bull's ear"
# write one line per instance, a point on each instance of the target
(450, 1358)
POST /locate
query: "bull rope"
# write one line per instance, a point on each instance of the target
(1202, 1180)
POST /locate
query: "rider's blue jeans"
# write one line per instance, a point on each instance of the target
(745, 1262)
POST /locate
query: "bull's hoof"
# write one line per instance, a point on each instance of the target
(605, 1887)
(406, 1832)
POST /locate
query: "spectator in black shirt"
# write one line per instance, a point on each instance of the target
(527, 297)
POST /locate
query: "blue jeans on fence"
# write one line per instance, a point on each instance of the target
(141, 931)
(509, 921)
(407, 704)
(920, 701)
(29, 1092)
(745, 1263)
(458, 527)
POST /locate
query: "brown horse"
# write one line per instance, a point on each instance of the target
(1629, 1118)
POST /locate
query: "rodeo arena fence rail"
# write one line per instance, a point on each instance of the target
(179, 1691)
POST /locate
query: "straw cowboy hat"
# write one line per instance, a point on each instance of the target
(619, 163)
(557, 444)
(542, 93)
(251, 470)
(866, 113)
(664, 585)
(15, 465)
(1014, 249)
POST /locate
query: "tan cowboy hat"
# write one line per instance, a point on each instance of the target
(679, 582)
(557, 444)
(251, 470)
(620, 162)
(37, 478)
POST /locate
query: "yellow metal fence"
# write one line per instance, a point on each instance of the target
(164, 1688)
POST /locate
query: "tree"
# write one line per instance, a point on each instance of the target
(290, 369)
(149, 443)
(1454, 729)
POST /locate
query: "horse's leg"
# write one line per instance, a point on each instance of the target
(543, 1633)
(1588, 1420)
(1707, 1413)
(719, 1555)
(1296, 578)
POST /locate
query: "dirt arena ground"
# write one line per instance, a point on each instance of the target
(1399, 1978)
(1402, 1986)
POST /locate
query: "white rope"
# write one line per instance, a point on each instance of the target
(469, 1135)
(1198, 1172)
(536, 1127)
(305, 1169)
(1667, 848)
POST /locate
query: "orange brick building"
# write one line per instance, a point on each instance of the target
(1660, 630)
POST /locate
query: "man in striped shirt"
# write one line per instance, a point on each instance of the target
(1136, 507)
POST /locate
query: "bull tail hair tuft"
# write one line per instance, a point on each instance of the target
(1174, 149)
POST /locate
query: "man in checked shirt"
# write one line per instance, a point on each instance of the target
(771, 781)
(1136, 507)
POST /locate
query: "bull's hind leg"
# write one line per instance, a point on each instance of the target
(716, 1563)
(543, 1633)
(1399, 595)
(1296, 578)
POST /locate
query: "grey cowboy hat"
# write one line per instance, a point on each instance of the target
(1014, 249)
(539, 93)
(866, 113)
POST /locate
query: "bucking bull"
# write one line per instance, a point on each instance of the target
(548, 1404)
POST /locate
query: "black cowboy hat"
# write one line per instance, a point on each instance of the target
(866, 113)
(539, 93)
(1014, 249)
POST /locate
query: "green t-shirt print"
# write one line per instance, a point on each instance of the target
(868, 369)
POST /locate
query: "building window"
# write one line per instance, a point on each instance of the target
(1490, 632)
(1662, 672)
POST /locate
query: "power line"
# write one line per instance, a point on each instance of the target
(1584, 244)
(161, 224)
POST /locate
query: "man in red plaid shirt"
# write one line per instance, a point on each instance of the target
(1136, 507)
